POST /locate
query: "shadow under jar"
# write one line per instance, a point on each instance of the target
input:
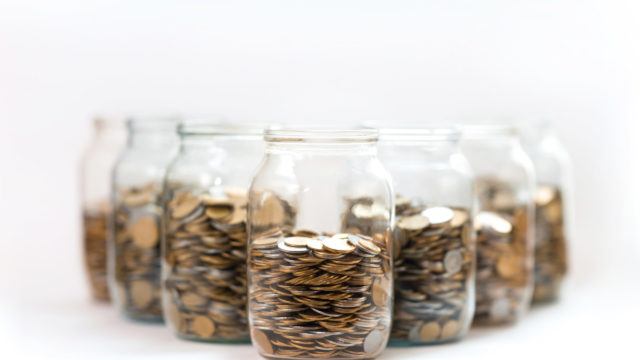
(320, 268)
(97, 164)
(504, 184)
(434, 250)
(553, 206)
(205, 243)
(134, 253)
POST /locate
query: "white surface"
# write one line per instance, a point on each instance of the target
(314, 61)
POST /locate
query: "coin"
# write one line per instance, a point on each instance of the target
(494, 222)
(145, 232)
(203, 326)
(453, 261)
(374, 342)
(450, 329)
(337, 244)
(262, 341)
(430, 331)
(438, 215)
(141, 293)
(412, 223)
(185, 207)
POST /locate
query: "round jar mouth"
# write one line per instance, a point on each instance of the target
(220, 128)
(153, 123)
(321, 135)
(421, 134)
(484, 131)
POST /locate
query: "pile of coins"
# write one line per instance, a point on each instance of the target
(137, 251)
(95, 250)
(434, 269)
(365, 216)
(319, 296)
(504, 272)
(550, 247)
(205, 283)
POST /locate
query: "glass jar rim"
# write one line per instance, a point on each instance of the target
(427, 133)
(481, 131)
(220, 128)
(153, 123)
(321, 135)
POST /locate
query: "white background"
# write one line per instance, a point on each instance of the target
(576, 62)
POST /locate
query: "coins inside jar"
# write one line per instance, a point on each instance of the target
(95, 250)
(319, 295)
(550, 246)
(137, 251)
(434, 269)
(205, 263)
(504, 274)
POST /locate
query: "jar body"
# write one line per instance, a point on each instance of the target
(552, 208)
(204, 249)
(434, 250)
(96, 167)
(504, 183)
(134, 252)
(320, 268)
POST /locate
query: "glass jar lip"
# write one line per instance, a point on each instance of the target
(153, 123)
(416, 134)
(482, 131)
(321, 135)
(221, 128)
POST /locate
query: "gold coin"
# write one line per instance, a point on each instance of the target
(261, 340)
(315, 244)
(220, 211)
(185, 207)
(508, 265)
(142, 293)
(450, 329)
(191, 299)
(413, 223)
(380, 295)
(203, 326)
(145, 232)
(438, 215)
(296, 241)
(459, 218)
(337, 243)
(429, 331)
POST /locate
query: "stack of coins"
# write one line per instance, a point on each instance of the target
(95, 250)
(434, 269)
(205, 264)
(551, 247)
(137, 251)
(319, 296)
(504, 273)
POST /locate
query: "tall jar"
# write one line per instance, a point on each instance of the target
(434, 249)
(320, 252)
(552, 203)
(134, 254)
(97, 163)
(204, 268)
(504, 180)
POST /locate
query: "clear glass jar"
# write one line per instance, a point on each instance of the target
(504, 181)
(434, 250)
(97, 163)
(320, 268)
(552, 202)
(134, 253)
(205, 243)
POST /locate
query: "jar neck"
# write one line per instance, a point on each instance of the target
(351, 149)
(205, 143)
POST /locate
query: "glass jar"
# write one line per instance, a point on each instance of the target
(204, 250)
(97, 163)
(434, 250)
(320, 269)
(504, 181)
(553, 175)
(134, 254)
